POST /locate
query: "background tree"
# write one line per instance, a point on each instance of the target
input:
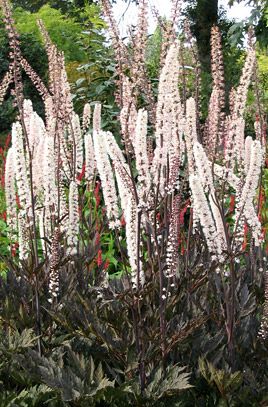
(203, 14)
(63, 5)
(79, 36)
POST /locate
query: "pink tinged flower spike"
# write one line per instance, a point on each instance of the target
(212, 124)
(129, 207)
(239, 146)
(204, 215)
(49, 183)
(36, 131)
(97, 118)
(140, 148)
(234, 148)
(36, 137)
(67, 104)
(27, 112)
(258, 130)
(140, 42)
(175, 158)
(122, 172)
(246, 197)
(114, 150)
(89, 157)
(239, 99)
(247, 155)
(35, 79)
(86, 117)
(121, 168)
(54, 284)
(106, 175)
(23, 237)
(63, 213)
(168, 106)
(50, 116)
(217, 65)
(128, 114)
(38, 168)
(131, 218)
(41, 227)
(21, 170)
(204, 171)
(10, 194)
(232, 179)
(120, 49)
(241, 92)
(4, 85)
(190, 132)
(172, 257)
(203, 167)
(73, 227)
(78, 140)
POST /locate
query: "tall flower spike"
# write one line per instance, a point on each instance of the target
(38, 168)
(21, 169)
(173, 239)
(211, 135)
(217, 66)
(73, 228)
(24, 248)
(168, 101)
(242, 90)
(118, 46)
(190, 132)
(107, 180)
(10, 193)
(128, 114)
(139, 49)
(203, 213)
(204, 171)
(4, 85)
(36, 131)
(90, 162)
(36, 80)
(78, 139)
(97, 118)
(131, 218)
(246, 197)
(128, 205)
(140, 148)
(49, 182)
(54, 266)
(86, 117)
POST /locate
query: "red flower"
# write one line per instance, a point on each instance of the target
(81, 176)
(123, 221)
(14, 247)
(97, 238)
(18, 201)
(3, 181)
(8, 140)
(183, 212)
(99, 258)
(244, 246)
(232, 203)
(4, 216)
